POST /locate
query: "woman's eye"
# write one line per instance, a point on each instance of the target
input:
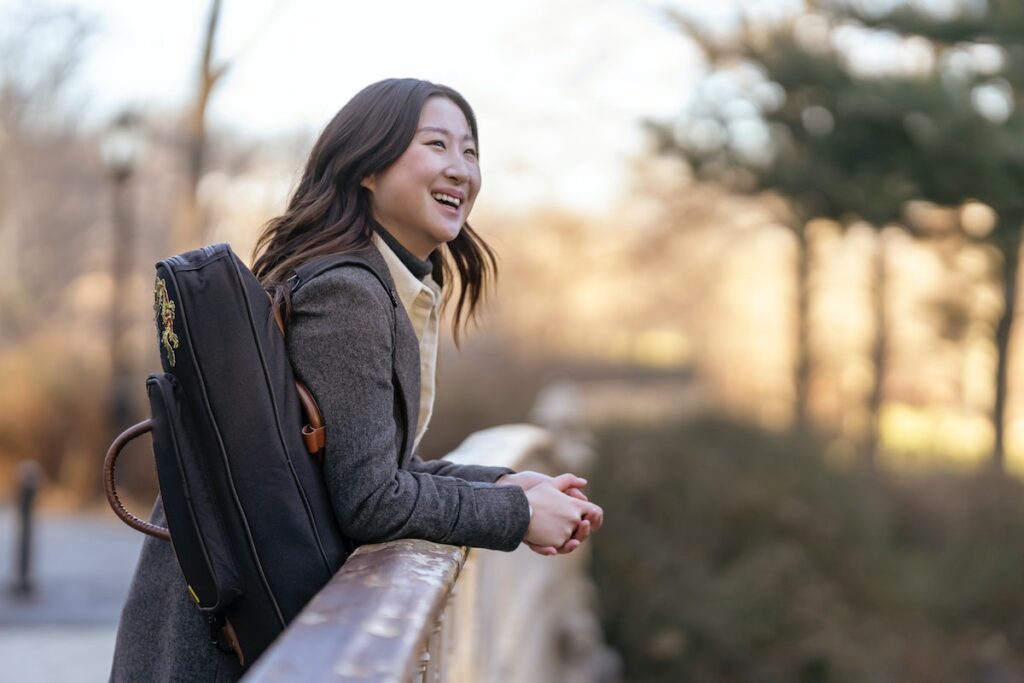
(470, 150)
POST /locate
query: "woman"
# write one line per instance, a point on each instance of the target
(393, 176)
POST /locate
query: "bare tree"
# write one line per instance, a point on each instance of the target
(189, 224)
(42, 165)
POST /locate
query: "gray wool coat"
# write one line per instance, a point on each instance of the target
(345, 337)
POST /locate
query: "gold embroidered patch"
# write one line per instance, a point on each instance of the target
(164, 309)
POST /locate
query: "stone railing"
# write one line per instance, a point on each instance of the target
(413, 610)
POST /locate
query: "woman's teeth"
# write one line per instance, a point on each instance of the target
(446, 199)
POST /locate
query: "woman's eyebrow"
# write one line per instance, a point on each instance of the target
(442, 130)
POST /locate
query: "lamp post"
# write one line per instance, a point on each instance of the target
(121, 151)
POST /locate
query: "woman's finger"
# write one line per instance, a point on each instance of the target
(542, 549)
(593, 514)
(582, 531)
(569, 546)
(564, 482)
(576, 493)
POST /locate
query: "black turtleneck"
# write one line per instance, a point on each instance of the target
(418, 267)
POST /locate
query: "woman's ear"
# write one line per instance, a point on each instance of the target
(368, 182)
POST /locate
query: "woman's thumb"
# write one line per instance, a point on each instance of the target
(566, 481)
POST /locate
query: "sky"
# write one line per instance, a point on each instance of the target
(558, 86)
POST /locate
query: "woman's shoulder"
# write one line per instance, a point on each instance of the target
(357, 281)
(337, 317)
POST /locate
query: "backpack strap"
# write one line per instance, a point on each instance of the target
(317, 266)
(313, 431)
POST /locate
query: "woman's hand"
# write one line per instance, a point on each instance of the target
(560, 522)
(569, 484)
(591, 521)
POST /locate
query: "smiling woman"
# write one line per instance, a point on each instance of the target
(425, 197)
(359, 265)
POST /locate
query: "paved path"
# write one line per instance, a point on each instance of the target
(65, 631)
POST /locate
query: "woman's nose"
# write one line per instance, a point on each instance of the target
(458, 170)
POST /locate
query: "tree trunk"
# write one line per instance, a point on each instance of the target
(802, 360)
(1009, 231)
(879, 354)
(189, 226)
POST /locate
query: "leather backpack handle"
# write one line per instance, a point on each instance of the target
(313, 433)
(109, 463)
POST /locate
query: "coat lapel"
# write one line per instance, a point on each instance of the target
(407, 377)
(407, 364)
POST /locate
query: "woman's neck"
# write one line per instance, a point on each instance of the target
(418, 267)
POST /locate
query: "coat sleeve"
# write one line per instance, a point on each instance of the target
(451, 469)
(340, 339)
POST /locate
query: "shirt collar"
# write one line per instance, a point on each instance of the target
(408, 286)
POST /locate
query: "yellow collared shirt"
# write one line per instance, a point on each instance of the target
(422, 301)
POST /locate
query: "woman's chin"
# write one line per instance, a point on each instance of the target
(448, 233)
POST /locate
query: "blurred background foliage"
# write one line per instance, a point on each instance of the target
(768, 564)
(792, 337)
(809, 554)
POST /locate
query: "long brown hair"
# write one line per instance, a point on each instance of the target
(330, 212)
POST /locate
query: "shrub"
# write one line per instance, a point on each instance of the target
(732, 554)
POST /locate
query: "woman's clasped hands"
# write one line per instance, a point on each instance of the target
(563, 517)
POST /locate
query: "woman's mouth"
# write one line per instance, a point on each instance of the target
(447, 203)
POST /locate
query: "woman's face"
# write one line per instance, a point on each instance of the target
(441, 159)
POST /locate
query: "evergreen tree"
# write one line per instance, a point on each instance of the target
(840, 138)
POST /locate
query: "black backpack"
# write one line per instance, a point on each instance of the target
(247, 510)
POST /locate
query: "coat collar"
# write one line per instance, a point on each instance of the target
(408, 286)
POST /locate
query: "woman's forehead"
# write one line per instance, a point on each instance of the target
(441, 115)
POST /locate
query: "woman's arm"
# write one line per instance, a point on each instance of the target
(340, 340)
(451, 469)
